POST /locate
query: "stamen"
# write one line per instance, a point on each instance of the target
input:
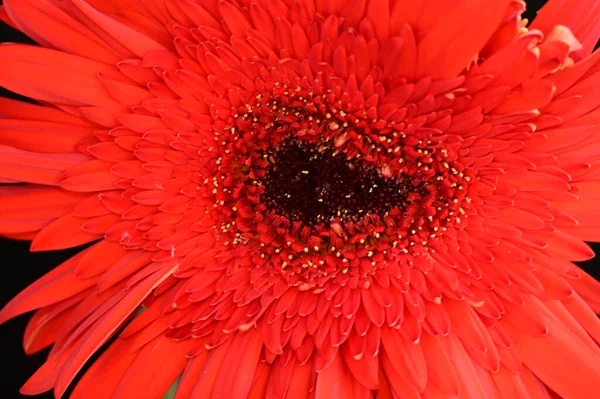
(307, 182)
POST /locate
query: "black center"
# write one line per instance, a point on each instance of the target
(312, 184)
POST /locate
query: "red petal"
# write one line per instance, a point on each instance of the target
(561, 361)
(30, 208)
(154, 369)
(452, 44)
(90, 182)
(582, 18)
(584, 315)
(39, 73)
(57, 285)
(105, 374)
(440, 368)
(48, 25)
(45, 137)
(134, 41)
(532, 94)
(33, 167)
(204, 385)
(105, 327)
(63, 233)
(235, 376)
(589, 289)
(190, 376)
(43, 328)
(364, 369)
(300, 383)
(407, 357)
(334, 382)
(234, 19)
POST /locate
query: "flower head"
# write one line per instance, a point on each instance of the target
(326, 199)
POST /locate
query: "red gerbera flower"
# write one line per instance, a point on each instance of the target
(307, 198)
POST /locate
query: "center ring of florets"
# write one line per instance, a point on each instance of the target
(274, 137)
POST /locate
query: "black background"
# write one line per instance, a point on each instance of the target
(19, 268)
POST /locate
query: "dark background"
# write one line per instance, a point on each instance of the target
(20, 268)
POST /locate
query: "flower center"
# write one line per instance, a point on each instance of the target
(313, 187)
(311, 183)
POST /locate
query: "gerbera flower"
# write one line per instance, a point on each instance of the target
(292, 199)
